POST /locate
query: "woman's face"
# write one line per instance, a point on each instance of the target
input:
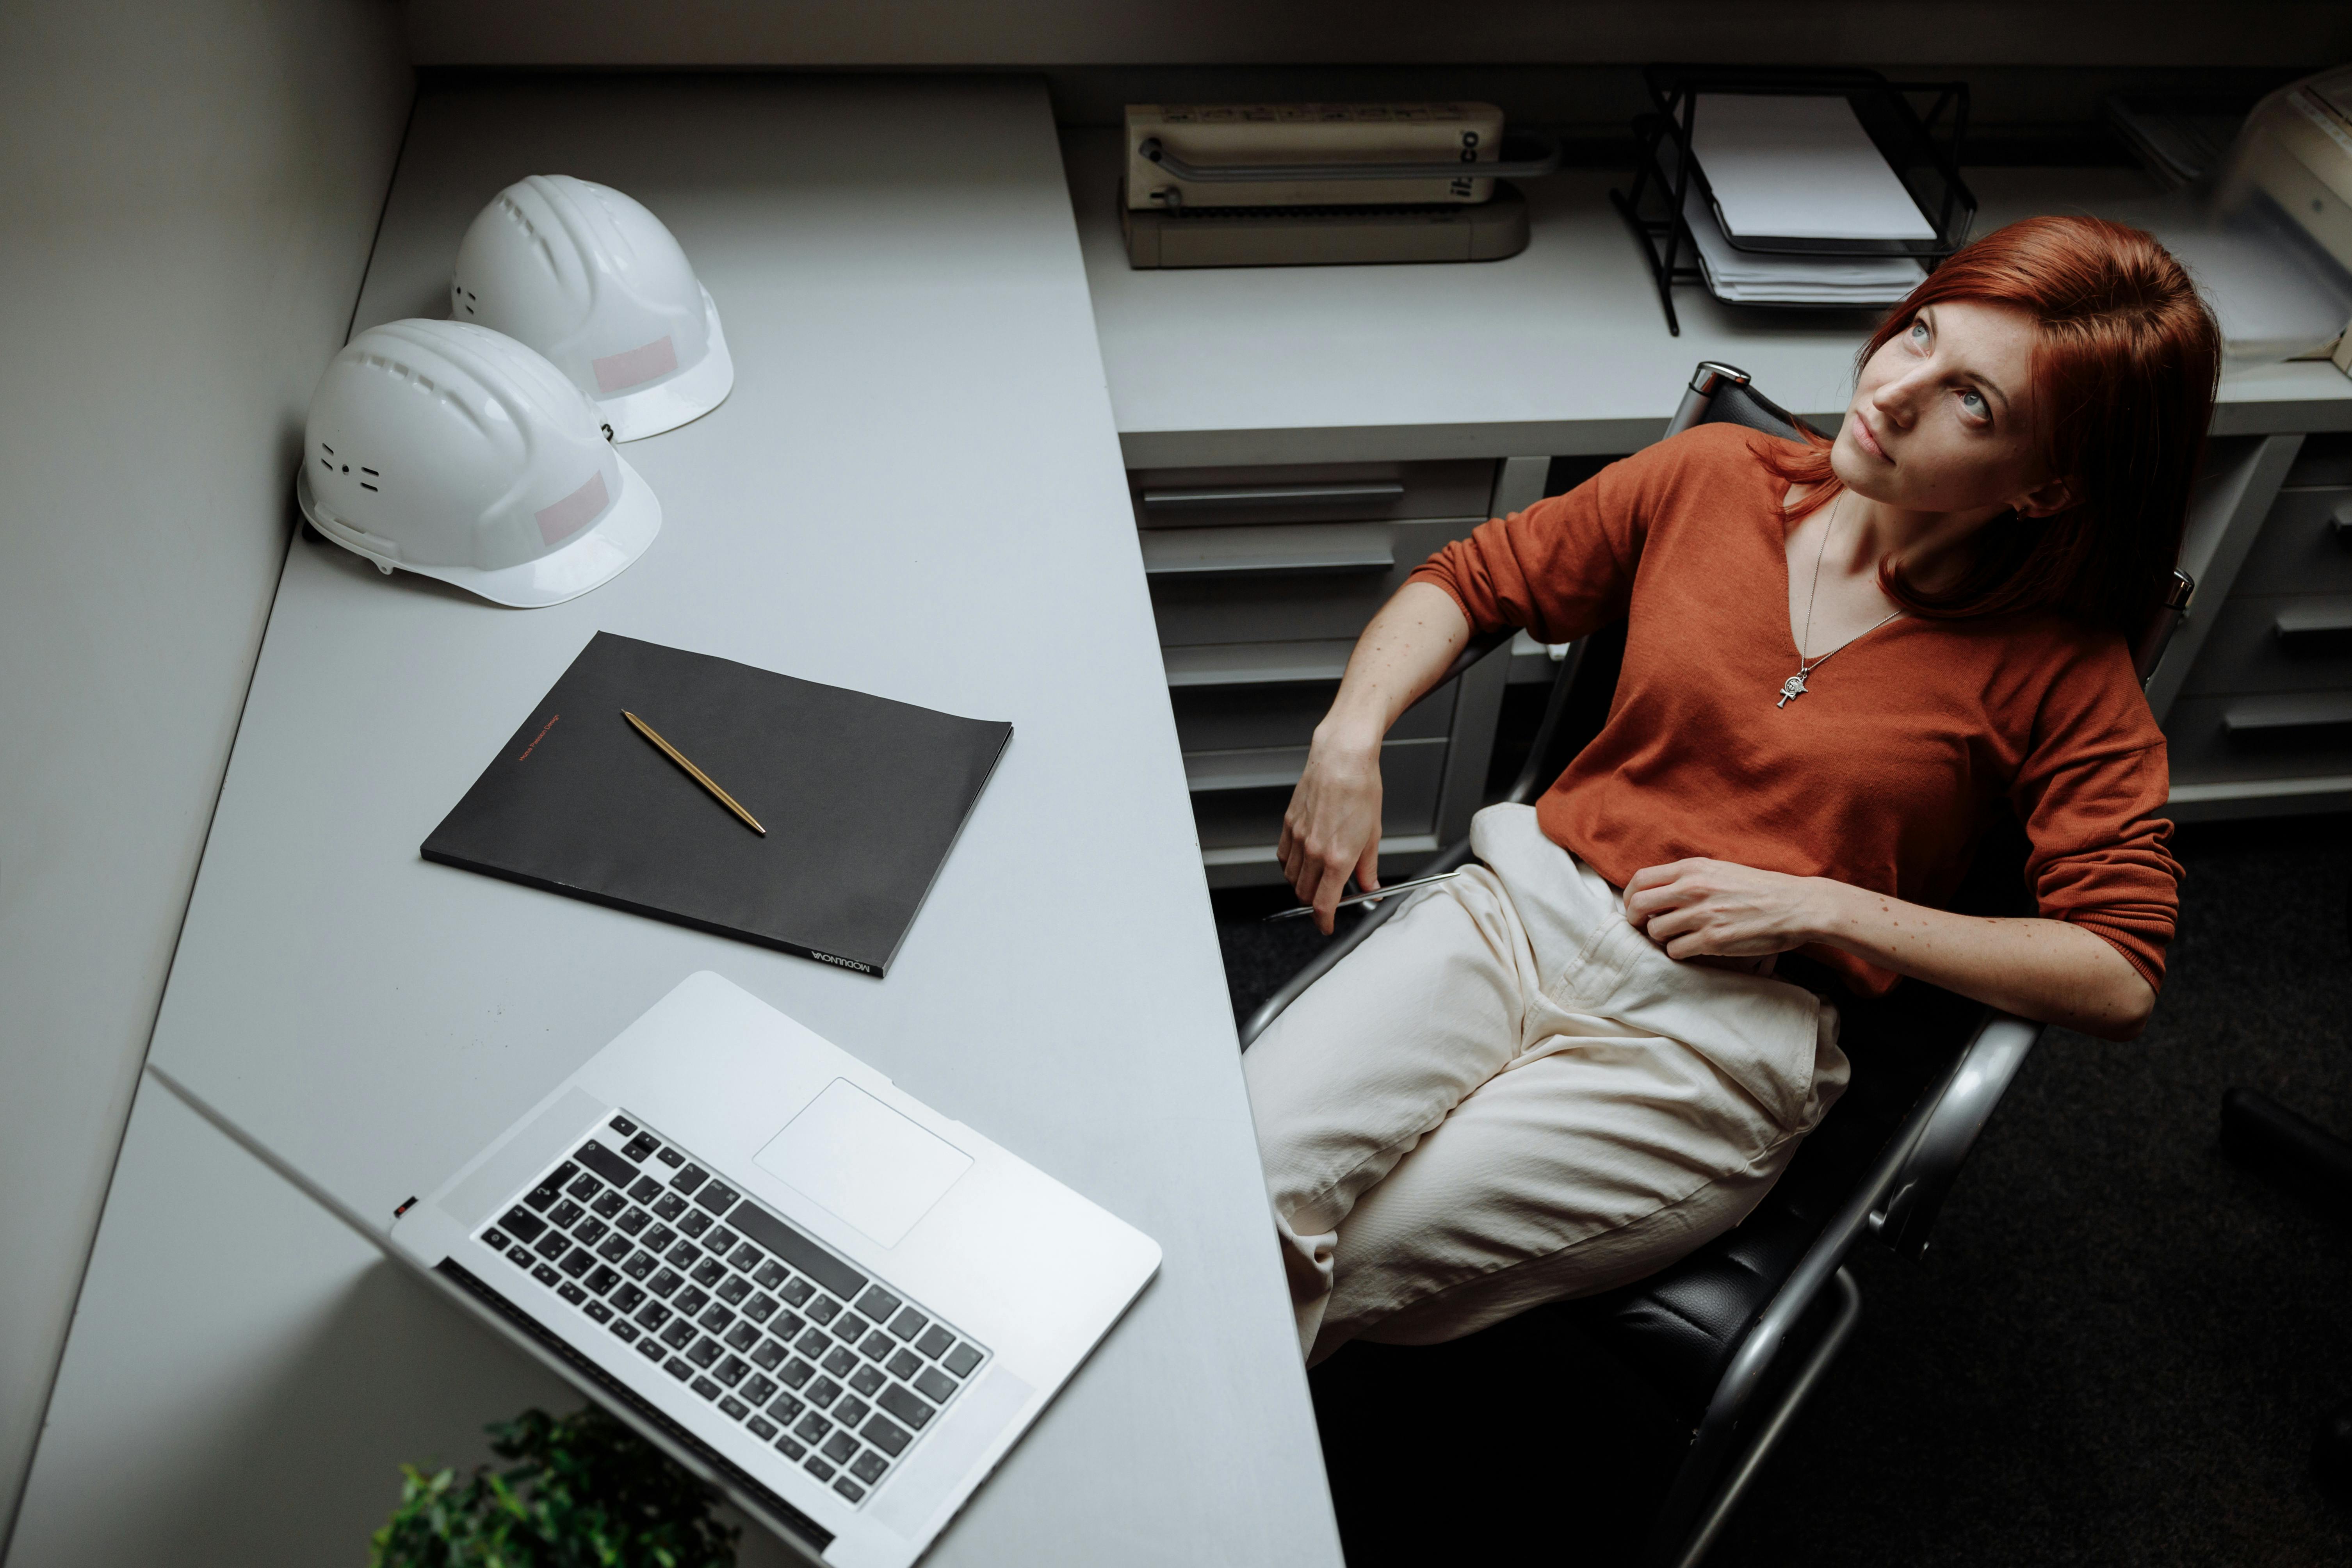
(1943, 417)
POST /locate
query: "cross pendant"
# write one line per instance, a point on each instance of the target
(1792, 687)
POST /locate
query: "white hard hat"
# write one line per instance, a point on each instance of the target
(448, 450)
(594, 281)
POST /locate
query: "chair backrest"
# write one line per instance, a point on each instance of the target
(1721, 393)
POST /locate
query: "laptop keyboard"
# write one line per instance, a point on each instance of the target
(833, 1369)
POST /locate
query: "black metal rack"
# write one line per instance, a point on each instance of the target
(1923, 150)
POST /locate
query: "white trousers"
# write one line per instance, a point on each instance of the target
(1507, 1095)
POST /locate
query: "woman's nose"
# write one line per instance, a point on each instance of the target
(1898, 401)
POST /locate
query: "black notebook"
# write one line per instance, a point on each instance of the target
(862, 798)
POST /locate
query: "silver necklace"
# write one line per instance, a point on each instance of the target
(1795, 684)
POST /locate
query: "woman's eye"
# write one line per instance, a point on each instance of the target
(1973, 405)
(1919, 332)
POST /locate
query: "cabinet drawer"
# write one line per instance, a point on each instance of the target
(2305, 547)
(1288, 604)
(2276, 642)
(1332, 492)
(1274, 550)
(1232, 718)
(2276, 735)
(1238, 797)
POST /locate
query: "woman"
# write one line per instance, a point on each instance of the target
(1573, 1065)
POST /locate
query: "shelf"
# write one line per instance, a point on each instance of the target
(1293, 549)
(1279, 767)
(1254, 866)
(1259, 663)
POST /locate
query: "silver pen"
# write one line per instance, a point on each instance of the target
(1370, 898)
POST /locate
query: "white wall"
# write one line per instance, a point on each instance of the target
(1415, 32)
(188, 191)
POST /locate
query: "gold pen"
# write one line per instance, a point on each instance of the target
(694, 773)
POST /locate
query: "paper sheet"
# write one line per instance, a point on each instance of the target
(1743, 277)
(1798, 168)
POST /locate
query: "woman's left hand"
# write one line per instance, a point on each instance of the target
(1697, 908)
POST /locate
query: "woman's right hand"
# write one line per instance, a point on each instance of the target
(1332, 829)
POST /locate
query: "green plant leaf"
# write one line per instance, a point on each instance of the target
(576, 1491)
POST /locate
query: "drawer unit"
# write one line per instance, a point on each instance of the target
(1333, 492)
(2260, 736)
(1287, 589)
(1238, 797)
(1260, 580)
(2305, 544)
(2276, 642)
(1235, 717)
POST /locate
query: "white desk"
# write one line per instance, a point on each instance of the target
(915, 489)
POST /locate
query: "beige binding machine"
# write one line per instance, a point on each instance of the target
(1269, 185)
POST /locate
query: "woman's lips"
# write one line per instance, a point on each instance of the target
(1865, 440)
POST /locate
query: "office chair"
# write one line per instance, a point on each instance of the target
(1738, 1334)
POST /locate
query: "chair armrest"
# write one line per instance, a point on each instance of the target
(1897, 1199)
(1480, 645)
(1687, 1523)
(1445, 859)
(1985, 1069)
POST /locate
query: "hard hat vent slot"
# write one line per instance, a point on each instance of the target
(394, 367)
(507, 205)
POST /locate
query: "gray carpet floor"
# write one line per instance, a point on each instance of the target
(2116, 1352)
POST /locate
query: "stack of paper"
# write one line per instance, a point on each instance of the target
(1749, 278)
(1797, 169)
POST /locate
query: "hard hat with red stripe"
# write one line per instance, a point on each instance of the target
(593, 281)
(451, 450)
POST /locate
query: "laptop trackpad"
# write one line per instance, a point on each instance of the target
(863, 1161)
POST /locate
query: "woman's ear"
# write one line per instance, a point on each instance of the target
(2044, 499)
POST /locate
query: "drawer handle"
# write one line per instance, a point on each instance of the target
(1313, 550)
(2284, 718)
(2325, 628)
(1547, 160)
(2339, 523)
(1272, 495)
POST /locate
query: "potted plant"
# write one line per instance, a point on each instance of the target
(576, 1491)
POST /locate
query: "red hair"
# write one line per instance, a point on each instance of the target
(2124, 370)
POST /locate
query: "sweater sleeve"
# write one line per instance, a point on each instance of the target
(1564, 567)
(2088, 792)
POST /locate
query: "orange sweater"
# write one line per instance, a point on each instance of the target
(1884, 773)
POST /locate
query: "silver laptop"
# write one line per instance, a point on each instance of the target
(837, 1305)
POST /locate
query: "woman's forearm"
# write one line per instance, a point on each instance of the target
(1404, 651)
(2042, 968)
